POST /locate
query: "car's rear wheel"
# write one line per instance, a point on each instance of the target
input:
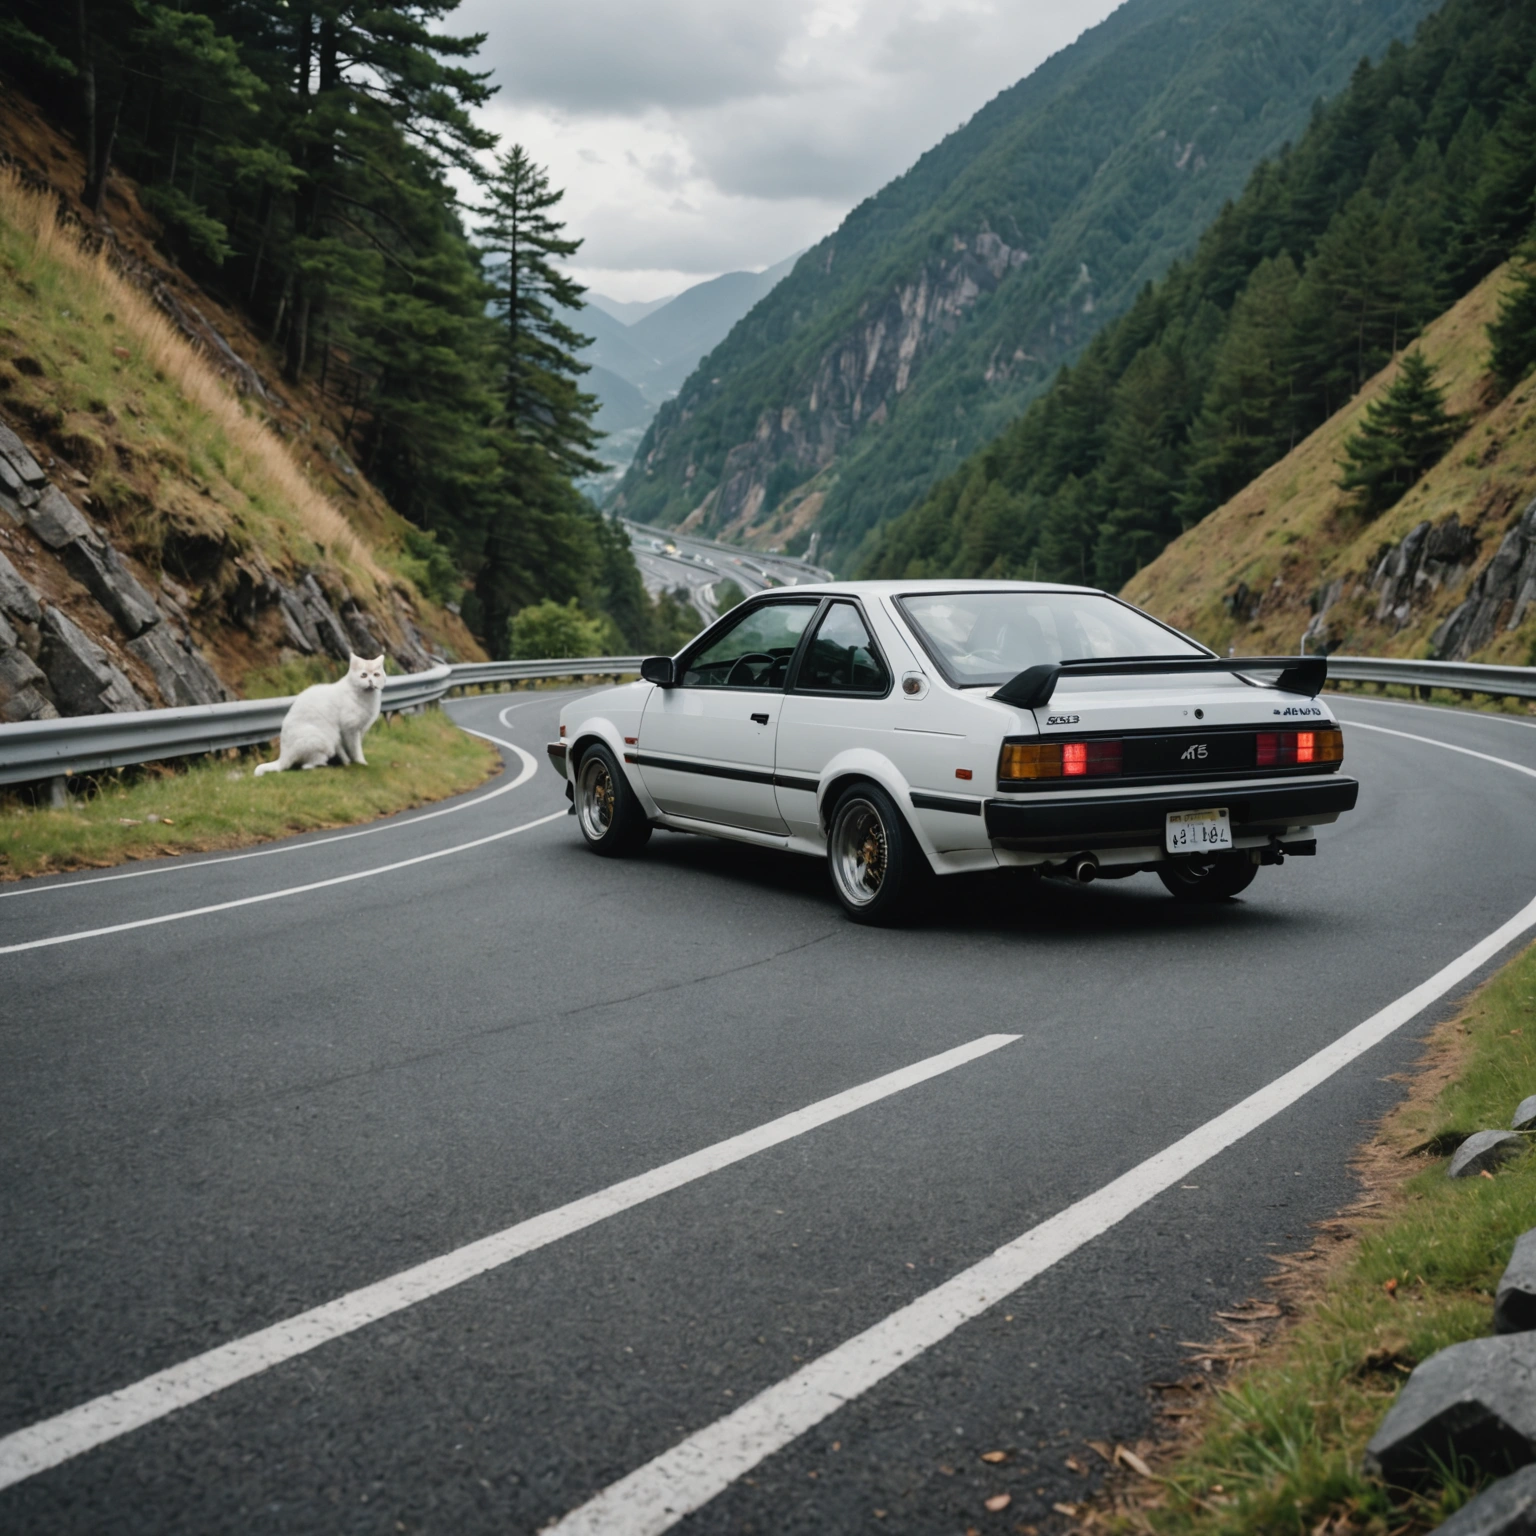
(878, 867)
(607, 810)
(1213, 878)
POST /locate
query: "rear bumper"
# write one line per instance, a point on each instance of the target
(1131, 820)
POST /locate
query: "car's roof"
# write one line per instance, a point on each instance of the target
(928, 584)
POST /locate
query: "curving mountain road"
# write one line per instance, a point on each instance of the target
(438, 1176)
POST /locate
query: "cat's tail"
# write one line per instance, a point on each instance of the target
(262, 768)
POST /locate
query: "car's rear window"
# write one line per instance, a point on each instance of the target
(981, 639)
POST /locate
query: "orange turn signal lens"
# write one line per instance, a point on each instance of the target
(1022, 761)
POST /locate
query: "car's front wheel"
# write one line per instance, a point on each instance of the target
(878, 867)
(608, 812)
(1213, 878)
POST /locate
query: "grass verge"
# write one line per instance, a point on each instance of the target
(1278, 1447)
(217, 802)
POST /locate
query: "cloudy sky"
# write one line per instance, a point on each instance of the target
(694, 137)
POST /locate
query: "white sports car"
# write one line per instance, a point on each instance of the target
(916, 728)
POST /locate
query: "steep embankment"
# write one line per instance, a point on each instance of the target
(945, 302)
(1449, 572)
(175, 522)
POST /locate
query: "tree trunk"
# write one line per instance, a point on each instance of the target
(87, 100)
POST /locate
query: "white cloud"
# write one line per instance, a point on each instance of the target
(698, 136)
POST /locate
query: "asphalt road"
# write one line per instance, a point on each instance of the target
(212, 1124)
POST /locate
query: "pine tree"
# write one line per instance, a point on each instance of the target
(1513, 334)
(1404, 433)
(544, 409)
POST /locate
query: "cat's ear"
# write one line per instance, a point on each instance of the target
(378, 661)
(354, 662)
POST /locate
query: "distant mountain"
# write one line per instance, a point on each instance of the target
(621, 407)
(636, 367)
(626, 311)
(699, 319)
(943, 304)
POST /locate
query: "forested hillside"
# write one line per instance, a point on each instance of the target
(943, 304)
(1448, 571)
(1401, 196)
(298, 161)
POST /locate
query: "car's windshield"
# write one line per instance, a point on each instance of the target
(984, 638)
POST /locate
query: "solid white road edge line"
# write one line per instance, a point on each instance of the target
(654, 1497)
(288, 890)
(529, 768)
(1429, 741)
(1437, 709)
(51, 1441)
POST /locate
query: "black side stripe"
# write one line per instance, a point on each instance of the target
(946, 803)
(719, 771)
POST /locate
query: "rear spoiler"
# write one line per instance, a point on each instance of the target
(1033, 687)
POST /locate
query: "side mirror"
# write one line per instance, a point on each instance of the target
(657, 669)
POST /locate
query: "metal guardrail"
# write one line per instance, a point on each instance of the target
(1458, 676)
(47, 749)
(475, 673)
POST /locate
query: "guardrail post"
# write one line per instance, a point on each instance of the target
(58, 792)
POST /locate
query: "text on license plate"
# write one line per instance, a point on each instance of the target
(1199, 831)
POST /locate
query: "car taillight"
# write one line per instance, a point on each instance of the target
(1288, 749)
(1024, 761)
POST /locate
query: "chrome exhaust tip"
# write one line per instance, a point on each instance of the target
(1085, 869)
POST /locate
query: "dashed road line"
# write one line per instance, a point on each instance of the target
(654, 1497)
(52, 1441)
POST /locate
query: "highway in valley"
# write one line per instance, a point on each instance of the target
(439, 1176)
(669, 561)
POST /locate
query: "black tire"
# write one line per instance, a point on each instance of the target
(878, 868)
(1216, 878)
(607, 811)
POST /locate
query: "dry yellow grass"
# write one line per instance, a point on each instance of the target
(257, 460)
(1292, 532)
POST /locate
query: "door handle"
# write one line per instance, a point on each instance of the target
(761, 719)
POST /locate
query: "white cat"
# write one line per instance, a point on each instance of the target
(329, 719)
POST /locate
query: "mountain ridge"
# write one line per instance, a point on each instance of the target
(939, 305)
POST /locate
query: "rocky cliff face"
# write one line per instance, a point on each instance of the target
(853, 384)
(82, 631)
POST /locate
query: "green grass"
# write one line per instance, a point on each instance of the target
(1279, 1450)
(217, 802)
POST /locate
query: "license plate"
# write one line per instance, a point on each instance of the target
(1199, 831)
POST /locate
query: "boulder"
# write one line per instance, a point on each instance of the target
(83, 678)
(17, 596)
(56, 520)
(1525, 1116)
(1483, 1150)
(19, 456)
(1514, 1308)
(1475, 1400)
(331, 631)
(100, 570)
(23, 688)
(1508, 1508)
(179, 670)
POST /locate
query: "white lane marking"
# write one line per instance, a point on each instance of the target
(510, 707)
(1450, 746)
(289, 890)
(654, 1497)
(51, 1441)
(294, 847)
(1438, 709)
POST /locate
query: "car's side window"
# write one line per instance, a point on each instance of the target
(841, 657)
(755, 652)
